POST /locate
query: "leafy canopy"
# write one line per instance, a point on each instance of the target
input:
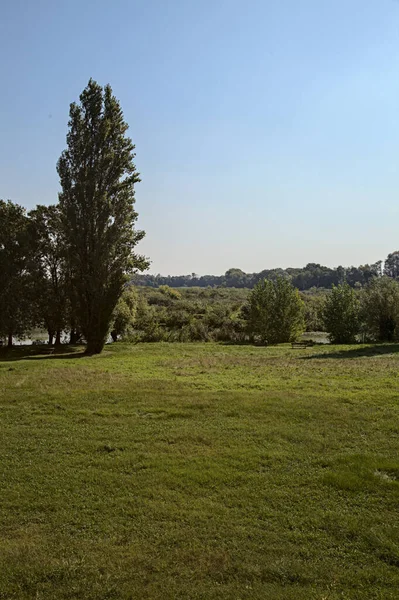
(341, 314)
(380, 309)
(275, 311)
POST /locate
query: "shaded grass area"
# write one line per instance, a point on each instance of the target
(200, 471)
(359, 351)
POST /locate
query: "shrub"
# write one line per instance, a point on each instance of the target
(124, 314)
(274, 312)
(380, 310)
(170, 292)
(341, 314)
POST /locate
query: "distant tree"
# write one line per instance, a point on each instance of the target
(275, 311)
(98, 176)
(50, 277)
(124, 314)
(341, 274)
(372, 271)
(358, 277)
(314, 275)
(341, 314)
(391, 266)
(16, 307)
(380, 309)
(235, 278)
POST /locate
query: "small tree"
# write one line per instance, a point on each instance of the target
(98, 176)
(341, 314)
(391, 266)
(275, 312)
(49, 270)
(380, 309)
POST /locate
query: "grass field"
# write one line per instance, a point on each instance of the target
(200, 471)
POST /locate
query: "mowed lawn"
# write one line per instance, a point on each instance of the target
(200, 471)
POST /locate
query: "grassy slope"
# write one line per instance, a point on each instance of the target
(200, 471)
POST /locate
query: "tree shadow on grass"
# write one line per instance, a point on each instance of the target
(362, 351)
(40, 353)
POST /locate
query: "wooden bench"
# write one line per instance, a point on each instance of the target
(302, 344)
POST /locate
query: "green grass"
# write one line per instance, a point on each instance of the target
(200, 471)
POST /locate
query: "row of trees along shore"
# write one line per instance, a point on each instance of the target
(64, 267)
(310, 276)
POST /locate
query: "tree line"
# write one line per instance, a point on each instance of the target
(65, 266)
(313, 275)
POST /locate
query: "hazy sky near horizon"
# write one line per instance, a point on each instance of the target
(266, 132)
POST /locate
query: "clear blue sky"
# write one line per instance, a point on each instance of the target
(267, 132)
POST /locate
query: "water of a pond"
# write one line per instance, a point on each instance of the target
(320, 337)
(40, 337)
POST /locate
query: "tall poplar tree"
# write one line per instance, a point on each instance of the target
(98, 176)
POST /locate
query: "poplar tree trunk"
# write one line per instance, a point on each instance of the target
(96, 336)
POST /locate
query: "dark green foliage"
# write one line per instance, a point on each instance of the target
(274, 312)
(98, 176)
(312, 275)
(236, 278)
(341, 314)
(380, 310)
(391, 266)
(17, 312)
(50, 273)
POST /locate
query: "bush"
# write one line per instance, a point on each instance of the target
(170, 292)
(274, 312)
(196, 331)
(380, 310)
(341, 314)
